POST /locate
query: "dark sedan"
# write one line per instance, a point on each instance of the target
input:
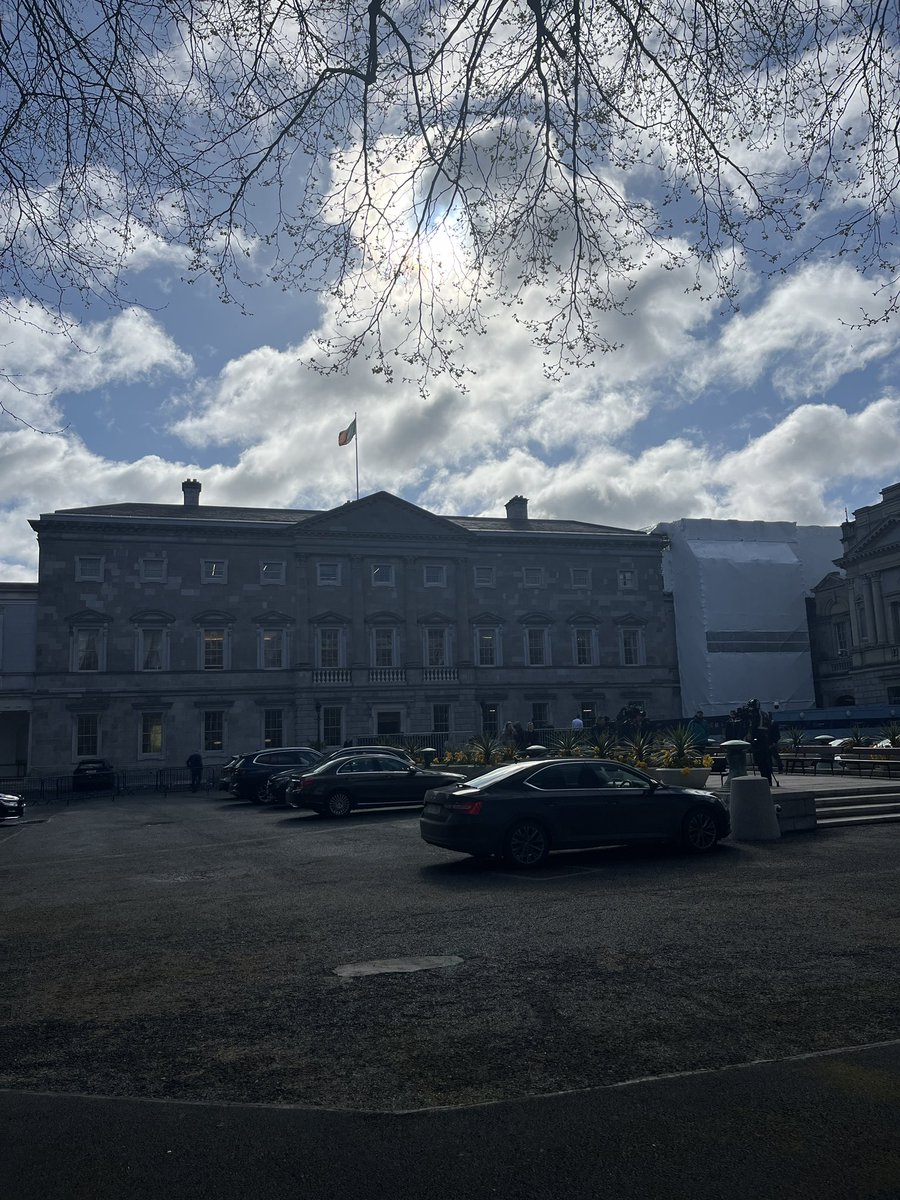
(11, 806)
(523, 811)
(93, 775)
(353, 751)
(250, 776)
(367, 780)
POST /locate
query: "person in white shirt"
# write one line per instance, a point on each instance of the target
(577, 724)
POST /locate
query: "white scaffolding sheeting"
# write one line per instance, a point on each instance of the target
(740, 592)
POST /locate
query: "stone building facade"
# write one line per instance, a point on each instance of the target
(854, 613)
(18, 611)
(164, 629)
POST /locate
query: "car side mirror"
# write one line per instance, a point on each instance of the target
(411, 770)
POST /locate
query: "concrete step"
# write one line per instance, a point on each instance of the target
(826, 802)
(858, 810)
(860, 819)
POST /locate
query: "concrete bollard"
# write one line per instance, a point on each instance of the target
(753, 816)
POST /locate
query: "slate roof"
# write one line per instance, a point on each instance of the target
(186, 512)
(293, 516)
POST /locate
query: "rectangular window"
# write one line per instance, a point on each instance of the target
(152, 570)
(533, 577)
(434, 575)
(271, 571)
(150, 649)
(435, 647)
(490, 719)
(861, 623)
(89, 567)
(214, 570)
(272, 649)
(484, 576)
(329, 648)
(384, 648)
(584, 647)
(332, 725)
(87, 735)
(213, 649)
(328, 574)
(627, 580)
(273, 728)
(440, 718)
(383, 574)
(841, 645)
(213, 730)
(486, 647)
(540, 714)
(536, 647)
(632, 646)
(151, 733)
(86, 650)
(581, 577)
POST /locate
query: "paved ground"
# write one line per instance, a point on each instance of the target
(184, 950)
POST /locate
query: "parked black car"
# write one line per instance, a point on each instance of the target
(353, 751)
(11, 806)
(226, 772)
(93, 775)
(521, 812)
(335, 788)
(278, 784)
(250, 776)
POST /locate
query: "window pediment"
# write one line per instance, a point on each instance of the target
(329, 618)
(435, 618)
(384, 618)
(214, 616)
(631, 620)
(152, 616)
(487, 618)
(88, 616)
(273, 619)
(582, 619)
(535, 618)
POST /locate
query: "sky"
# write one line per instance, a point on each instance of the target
(780, 409)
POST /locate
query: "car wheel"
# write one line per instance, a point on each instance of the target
(699, 831)
(526, 844)
(262, 794)
(338, 804)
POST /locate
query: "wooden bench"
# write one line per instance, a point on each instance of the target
(803, 759)
(869, 764)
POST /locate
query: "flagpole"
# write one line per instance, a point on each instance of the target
(356, 448)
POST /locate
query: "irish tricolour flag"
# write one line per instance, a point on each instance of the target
(346, 436)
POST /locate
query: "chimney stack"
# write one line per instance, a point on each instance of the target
(517, 509)
(191, 489)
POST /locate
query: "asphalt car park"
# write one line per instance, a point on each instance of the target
(192, 947)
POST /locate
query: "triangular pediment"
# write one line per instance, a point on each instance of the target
(487, 618)
(435, 618)
(381, 515)
(885, 536)
(274, 618)
(214, 616)
(630, 619)
(330, 617)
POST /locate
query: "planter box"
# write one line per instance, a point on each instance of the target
(693, 777)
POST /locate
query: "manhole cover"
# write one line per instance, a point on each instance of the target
(397, 966)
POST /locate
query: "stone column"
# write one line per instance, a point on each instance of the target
(881, 623)
(869, 607)
(413, 656)
(854, 624)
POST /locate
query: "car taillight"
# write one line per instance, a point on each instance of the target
(470, 807)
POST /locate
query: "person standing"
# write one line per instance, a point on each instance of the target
(762, 755)
(195, 765)
(577, 725)
(774, 732)
(699, 730)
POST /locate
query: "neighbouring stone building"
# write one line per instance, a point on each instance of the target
(164, 629)
(18, 612)
(854, 613)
